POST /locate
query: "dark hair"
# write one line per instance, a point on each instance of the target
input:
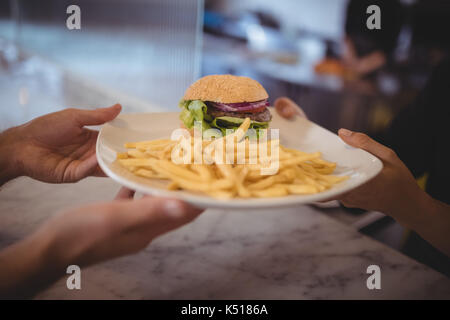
(366, 40)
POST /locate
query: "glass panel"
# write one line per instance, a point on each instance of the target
(137, 51)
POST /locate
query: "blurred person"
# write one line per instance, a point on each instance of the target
(417, 142)
(365, 50)
(57, 148)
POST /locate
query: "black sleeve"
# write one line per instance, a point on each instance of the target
(415, 132)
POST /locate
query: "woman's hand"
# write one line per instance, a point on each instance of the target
(88, 235)
(54, 148)
(382, 192)
(395, 192)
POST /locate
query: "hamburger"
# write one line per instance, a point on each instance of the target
(223, 102)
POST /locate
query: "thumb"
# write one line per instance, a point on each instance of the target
(288, 108)
(362, 141)
(96, 116)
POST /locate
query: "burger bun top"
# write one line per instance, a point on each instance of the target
(226, 88)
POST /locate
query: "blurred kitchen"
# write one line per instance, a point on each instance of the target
(145, 53)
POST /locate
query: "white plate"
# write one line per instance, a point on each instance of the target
(299, 134)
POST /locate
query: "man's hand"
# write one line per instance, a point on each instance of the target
(288, 109)
(54, 148)
(88, 235)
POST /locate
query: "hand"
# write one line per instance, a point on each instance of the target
(288, 109)
(56, 147)
(383, 192)
(103, 231)
(361, 65)
(88, 235)
(393, 191)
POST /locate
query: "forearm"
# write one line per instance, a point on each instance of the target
(430, 218)
(436, 230)
(25, 269)
(9, 168)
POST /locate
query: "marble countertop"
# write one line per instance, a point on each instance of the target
(297, 253)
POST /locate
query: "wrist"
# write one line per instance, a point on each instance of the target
(415, 213)
(430, 220)
(10, 166)
(59, 247)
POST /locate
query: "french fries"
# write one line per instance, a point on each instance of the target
(298, 172)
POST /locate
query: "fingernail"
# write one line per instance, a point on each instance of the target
(345, 132)
(174, 209)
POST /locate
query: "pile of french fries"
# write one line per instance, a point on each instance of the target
(298, 172)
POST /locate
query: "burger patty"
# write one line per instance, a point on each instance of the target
(263, 116)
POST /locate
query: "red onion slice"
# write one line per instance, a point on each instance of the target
(240, 107)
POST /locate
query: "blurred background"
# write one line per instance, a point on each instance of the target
(320, 53)
(145, 53)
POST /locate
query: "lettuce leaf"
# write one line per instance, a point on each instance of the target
(194, 110)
